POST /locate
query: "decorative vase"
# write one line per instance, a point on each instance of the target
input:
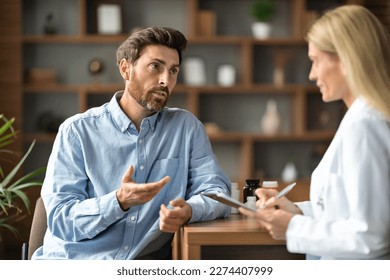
(261, 30)
(226, 75)
(194, 71)
(49, 27)
(280, 60)
(289, 172)
(270, 122)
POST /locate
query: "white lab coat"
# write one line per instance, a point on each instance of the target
(348, 215)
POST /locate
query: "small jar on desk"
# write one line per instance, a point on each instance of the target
(249, 189)
(270, 184)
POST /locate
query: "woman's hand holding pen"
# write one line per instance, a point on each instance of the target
(274, 220)
(277, 213)
(268, 199)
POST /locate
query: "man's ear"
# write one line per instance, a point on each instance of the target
(124, 66)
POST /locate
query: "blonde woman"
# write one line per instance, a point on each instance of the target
(348, 215)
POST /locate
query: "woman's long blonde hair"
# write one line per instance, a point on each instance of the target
(362, 43)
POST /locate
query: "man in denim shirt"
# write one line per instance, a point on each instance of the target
(123, 177)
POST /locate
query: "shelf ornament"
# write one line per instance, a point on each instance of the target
(194, 71)
(96, 67)
(226, 75)
(270, 122)
(262, 11)
(50, 27)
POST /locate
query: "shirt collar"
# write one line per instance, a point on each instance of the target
(358, 104)
(153, 120)
(122, 120)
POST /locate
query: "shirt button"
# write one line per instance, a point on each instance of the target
(140, 141)
(132, 218)
(126, 247)
(117, 218)
(141, 167)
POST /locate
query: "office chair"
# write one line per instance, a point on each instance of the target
(37, 232)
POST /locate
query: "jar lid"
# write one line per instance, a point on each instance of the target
(270, 184)
(252, 182)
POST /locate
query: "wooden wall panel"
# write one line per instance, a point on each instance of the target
(11, 60)
(11, 98)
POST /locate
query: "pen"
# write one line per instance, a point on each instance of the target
(282, 192)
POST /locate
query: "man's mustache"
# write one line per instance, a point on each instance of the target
(161, 89)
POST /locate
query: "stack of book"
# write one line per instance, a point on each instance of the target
(42, 76)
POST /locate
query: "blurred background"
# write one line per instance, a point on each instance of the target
(265, 119)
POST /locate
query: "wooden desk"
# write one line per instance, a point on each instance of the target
(235, 230)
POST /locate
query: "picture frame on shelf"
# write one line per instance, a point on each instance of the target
(109, 16)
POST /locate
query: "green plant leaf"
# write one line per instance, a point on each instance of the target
(262, 10)
(21, 183)
(9, 138)
(26, 185)
(7, 196)
(4, 206)
(4, 143)
(13, 172)
(7, 125)
(4, 224)
(24, 198)
(12, 188)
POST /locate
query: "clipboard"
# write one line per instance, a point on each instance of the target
(223, 198)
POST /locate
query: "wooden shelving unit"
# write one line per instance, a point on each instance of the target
(248, 52)
(242, 149)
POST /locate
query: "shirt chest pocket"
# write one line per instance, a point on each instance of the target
(172, 167)
(164, 167)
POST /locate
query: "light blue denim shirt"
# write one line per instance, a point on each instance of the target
(90, 155)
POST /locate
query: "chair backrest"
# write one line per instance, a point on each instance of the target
(38, 228)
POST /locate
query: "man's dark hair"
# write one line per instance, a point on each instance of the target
(131, 48)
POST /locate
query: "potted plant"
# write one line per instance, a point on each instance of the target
(13, 186)
(262, 11)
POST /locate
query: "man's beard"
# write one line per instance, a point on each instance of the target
(149, 101)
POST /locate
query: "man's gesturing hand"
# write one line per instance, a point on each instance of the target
(130, 193)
